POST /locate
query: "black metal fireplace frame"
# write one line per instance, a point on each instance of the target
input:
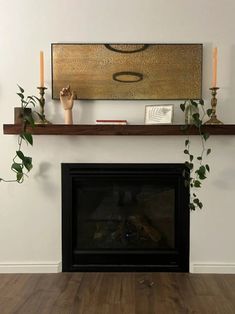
(173, 260)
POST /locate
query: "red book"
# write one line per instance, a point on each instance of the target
(111, 122)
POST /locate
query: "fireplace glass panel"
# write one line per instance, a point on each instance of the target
(124, 213)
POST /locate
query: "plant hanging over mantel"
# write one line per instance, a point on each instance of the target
(198, 168)
(22, 164)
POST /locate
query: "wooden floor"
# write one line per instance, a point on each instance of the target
(117, 293)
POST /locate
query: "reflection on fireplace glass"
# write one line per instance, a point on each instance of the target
(124, 214)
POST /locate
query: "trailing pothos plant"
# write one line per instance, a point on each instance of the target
(22, 164)
(196, 164)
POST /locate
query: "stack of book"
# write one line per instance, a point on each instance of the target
(119, 122)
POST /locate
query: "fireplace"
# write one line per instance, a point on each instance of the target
(124, 217)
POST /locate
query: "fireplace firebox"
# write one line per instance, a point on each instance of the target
(125, 217)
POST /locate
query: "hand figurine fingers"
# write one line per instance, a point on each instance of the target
(63, 91)
(66, 92)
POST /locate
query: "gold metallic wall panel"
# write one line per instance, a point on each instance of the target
(128, 71)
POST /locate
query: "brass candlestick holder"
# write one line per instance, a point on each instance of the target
(43, 119)
(213, 119)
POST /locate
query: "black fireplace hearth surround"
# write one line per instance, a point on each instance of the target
(125, 217)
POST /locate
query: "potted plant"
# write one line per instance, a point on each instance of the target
(198, 168)
(22, 164)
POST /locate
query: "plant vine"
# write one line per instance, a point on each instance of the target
(198, 168)
(22, 164)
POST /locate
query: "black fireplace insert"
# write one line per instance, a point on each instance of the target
(125, 217)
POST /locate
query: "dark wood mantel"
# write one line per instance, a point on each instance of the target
(93, 129)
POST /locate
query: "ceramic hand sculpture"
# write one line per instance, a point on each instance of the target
(66, 98)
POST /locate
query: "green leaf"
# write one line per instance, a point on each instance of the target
(208, 151)
(196, 120)
(196, 201)
(20, 154)
(186, 151)
(28, 163)
(186, 142)
(201, 172)
(191, 157)
(20, 95)
(202, 169)
(33, 103)
(199, 158)
(29, 119)
(182, 107)
(197, 123)
(200, 205)
(201, 102)
(19, 176)
(31, 98)
(191, 206)
(206, 136)
(21, 89)
(17, 167)
(209, 112)
(207, 168)
(40, 115)
(27, 137)
(194, 195)
(35, 97)
(194, 103)
(202, 177)
(189, 165)
(196, 116)
(197, 184)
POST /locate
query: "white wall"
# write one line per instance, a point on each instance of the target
(30, 214)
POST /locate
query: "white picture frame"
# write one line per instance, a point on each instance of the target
(158, 114)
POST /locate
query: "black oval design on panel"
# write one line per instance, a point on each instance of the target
(137, 77)
(143, 47)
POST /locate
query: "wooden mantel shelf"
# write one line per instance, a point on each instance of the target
(93, 129)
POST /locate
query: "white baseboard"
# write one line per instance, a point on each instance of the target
(212, 268)
(23, 268)
(47, 267)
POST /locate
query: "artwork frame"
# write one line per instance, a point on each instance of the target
(159, 114)
(104, 71)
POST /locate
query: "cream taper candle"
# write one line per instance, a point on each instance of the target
(41, 69)
(215, 61)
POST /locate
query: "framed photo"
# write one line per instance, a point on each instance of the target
(158, 114)
(128, 71)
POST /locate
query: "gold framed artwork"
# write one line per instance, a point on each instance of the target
(158, 114)
(128, 71)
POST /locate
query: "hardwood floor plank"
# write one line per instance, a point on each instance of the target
(203, 285)
(144, 294)
(117, 293)
(66, 298)
(226, 284)
(128, 293)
